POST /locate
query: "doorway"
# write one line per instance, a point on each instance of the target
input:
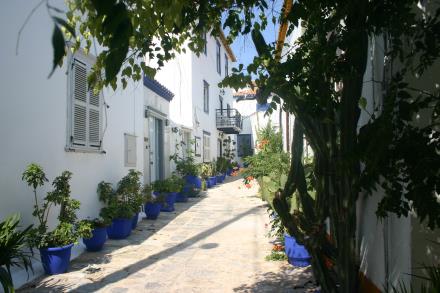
(156, 148)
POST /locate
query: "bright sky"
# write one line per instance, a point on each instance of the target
(243, 47)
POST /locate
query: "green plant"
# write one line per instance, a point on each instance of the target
(431, 282)
(276, 256)
(97, 222)
(69, 228)
(129, 190)
(175, 183)
(14, 251)
(206, 170)
(222, 165)
(185, 165)
(116, 206)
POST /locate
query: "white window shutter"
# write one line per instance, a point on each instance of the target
(79, 107)
(94, 119)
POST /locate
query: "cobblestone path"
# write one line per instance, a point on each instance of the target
(214, 243)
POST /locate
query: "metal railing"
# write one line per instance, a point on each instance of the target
(228, 120)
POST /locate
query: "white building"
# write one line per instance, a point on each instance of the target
(57, 123)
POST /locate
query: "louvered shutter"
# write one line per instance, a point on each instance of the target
(79, 107)
(94, 119)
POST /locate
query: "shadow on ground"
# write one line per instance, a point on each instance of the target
(144, 230)
(288, 280)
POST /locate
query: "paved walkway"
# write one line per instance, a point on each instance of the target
(215, 243)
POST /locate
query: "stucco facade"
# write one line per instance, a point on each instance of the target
(36, 118)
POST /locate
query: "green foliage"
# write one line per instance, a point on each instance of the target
(276, 256)
(172, 184)
(14, 251)
(431, 282)
(96, 223)
(228, 148)
(270, 157)
(185, 165)
(207, 169)
(123, 202)
(129, 189)
(69, 228)
(222, 165)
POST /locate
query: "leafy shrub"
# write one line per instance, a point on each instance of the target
(13, 250)
(185, 165)
(129, 189)
(69, 228)
(222, 165)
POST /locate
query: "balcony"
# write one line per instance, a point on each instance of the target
(228, 120)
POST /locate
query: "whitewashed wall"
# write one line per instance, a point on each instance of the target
(184, 76)
(385, 246)
(33, 121)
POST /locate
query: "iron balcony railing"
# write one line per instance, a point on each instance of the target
(228, 120)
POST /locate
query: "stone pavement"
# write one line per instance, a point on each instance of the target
(214, 243)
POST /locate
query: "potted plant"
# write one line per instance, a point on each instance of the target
(166, 188)
(99, 234)
(129, 188)
(118, 211)
(221, 166)
(208, 174)
(186, 166)
(178, 184)
(153, 203)
(13, 250)
(55, 246)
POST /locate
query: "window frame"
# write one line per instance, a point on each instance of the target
(205, 96)
(206, 146)
(86, 61)
(226, 65)
(205, 43)
(218, 58)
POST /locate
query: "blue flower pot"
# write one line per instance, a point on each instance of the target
(196, 181)
(297, 254)
(211, 181)
(170, 200)
(219, 179)
(229, 172)
(152, 210)
(120, 228)
(134, 221)
(224, 177)
(96, 242)
(56, 260)
(182, 197)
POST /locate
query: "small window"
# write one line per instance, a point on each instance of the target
(206, 147)
(130, 150)
(220, 98)
(205, 44)
(219, 70)
(244, 145)
(85, 110)
(205, 97)
(226, 65)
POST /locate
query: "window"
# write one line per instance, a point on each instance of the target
(84, 110)
(220, 98)
(226, 65)
(130, 150)
(187, 150)
(244, 145)
(205, 97)
(219, 70)
(205, 44)
(206, 146)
